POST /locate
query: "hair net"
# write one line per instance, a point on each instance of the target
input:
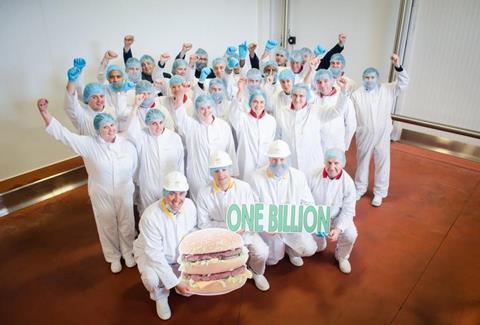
(282, 51)
(204, 100)
(178, 63)
(370, 71)
(269, 63)
(147, 57)
(93, 88)
(296, 56)
(335, 153)
(176, 80)
(218, 61)
(286, 74)
(303, 88)
(112, 68)
(254, 74)
(144, 86)
(201, 52)
(101, 119)
(323, 74)
(338, 57)
(255, 93)
(133, 62)
(154, 115)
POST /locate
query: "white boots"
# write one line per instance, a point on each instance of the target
(163, 309)
(261, 282)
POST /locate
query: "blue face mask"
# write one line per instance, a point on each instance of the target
(117, 86)
(147, 102)
(252, 88)
(279, 169)
(134, 76)
(217, 97)
(336, 72)
(370, 84)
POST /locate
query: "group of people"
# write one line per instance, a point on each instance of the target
(182, 146)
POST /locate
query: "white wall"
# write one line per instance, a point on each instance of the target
(369, 24)
(39, 39)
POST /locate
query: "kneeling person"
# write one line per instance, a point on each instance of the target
(333, 187)
(213, 201)
(162, 226)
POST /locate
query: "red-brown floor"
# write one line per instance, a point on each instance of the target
(416, 261)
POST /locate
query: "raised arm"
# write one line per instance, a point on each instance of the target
(109, 55)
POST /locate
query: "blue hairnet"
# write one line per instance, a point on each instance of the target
(304, 89)
(282, 51)
(201, 52)
(218, 61)
(254, 74)
(93, 88)
(133, 62)
(178, 63)
(101, 119)
(255, 93)
(338, 57)
(154, 115)
(305, 50)
(112, 68)
(269, 63)
(286, 74)
(216, 82)
(146, 57)
(144, 86)
(296, 56)
(176, 80)
(203, 100)
(335, 153)
(323, 74)
(369, 71)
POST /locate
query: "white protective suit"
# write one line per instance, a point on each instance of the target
(254, 136)
(337, 133)
(301, 129)
(136, 120)
(340, 195)
(110, 168)
(374, 125)
(167, 102)
(156, 248)
(158, 156)
(291, 188)
(203, 139)
(212, 205)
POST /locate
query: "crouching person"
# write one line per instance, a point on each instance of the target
(162, 226)
(213, 201)
(333, 187)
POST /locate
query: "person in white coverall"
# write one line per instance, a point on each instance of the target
(162, 226)
(203, 134)
(160, 151)
(213, 201)
(337, 133)
(111, 161)
(333, 187)
(255, 130)
(278, 183)
(300, 126)
(374, 103)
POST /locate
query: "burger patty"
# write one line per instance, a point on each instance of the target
(220, 255)
(214, 276)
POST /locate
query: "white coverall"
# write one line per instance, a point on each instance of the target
(291, 188)
(337, 133)
(110, 168)
(212, 205)
(167, 102)
(374, 125)
(301, 130)
(254, 136)
(156, 248)
(203, 139)
(340, 195)
(158, 156)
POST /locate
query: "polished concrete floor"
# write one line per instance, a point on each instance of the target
(417, 261)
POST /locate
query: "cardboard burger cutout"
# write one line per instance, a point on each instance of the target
(213, 261)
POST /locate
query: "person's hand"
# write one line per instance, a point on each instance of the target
(128, 41)
(73, 74)
(251, 48)
(333, 234)
(395, 60)
(110, 55)
(42, 105)
(271, 44)
(139, 98)
(319, 50)
(342, 82)
(231, 50)
(242, 83)
(79, 63)
(313, 63)
(233, 63)
(242, 50)
(342, 39)
(164, 57)
(204, 74)
(186, 47)
(182, 289)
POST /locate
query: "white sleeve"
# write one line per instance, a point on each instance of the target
(350, 123)
(330, 113)
(74, 110)
(347, 212)
(80, 144)
(185, 123)
(101, 72)
(236, 115)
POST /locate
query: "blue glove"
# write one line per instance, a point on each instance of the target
(73, 74)
(321, 234)
(233, 63)
(231, 50)
(319, 50)
(79, 63)
(271, 43)
(128, 85)
(204, 74)
(242, 50)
